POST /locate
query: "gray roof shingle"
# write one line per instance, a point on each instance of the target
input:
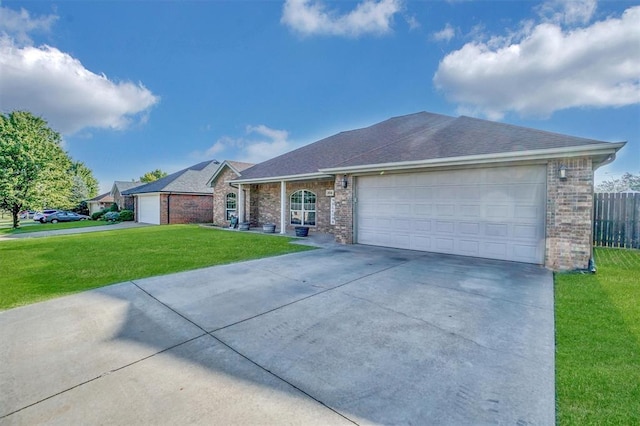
(190, 180)
(414, 137)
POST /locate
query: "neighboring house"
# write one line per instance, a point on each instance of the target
(181, 197)
(225, 205)
(124, 202)
(100, 202)
(436, 183)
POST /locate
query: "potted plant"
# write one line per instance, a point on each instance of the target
(243, 226)
(269, 228)
(302, 231)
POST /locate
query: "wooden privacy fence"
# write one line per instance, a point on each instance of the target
(616, 220)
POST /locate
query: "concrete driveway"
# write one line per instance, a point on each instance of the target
(341, 335)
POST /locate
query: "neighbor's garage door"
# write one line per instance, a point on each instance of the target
(496, 213)
(149, 209)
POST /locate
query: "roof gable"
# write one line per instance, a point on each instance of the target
(193, 179)
(236, 166)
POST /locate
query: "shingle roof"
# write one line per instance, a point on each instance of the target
(105, 198)
(416, 137)
(190, 180)
(123, 185)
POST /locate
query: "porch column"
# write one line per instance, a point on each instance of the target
(283, 207)
(241, 215)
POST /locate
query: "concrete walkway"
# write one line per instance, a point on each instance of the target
(70, 231)
(342, 335)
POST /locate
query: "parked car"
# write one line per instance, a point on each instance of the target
(39, 215)
(63, 216)
(27, 214)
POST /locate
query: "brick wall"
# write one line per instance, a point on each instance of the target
(344, 210)
(185, 208)
(569, 214)
(220, 190)
(264, 204)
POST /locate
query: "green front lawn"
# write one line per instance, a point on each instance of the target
(598, 342)
(36, 269)
(28, 225)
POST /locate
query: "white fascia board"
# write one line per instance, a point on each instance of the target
(289, 178)
(542, 154)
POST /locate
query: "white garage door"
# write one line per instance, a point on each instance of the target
(496, 213)
(149, 209)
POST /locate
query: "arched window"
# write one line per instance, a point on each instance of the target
(303, 208)
(231, 205)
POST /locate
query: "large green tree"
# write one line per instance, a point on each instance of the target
(153, 176)
(85, 185)
(34, 169)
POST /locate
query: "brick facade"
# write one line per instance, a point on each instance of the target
(185, 208)
(264, 204)
(569, 214)
(344, 210)
(569, 207)
(220, 190)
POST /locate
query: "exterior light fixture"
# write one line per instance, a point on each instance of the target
(562, 172)
(345, 181)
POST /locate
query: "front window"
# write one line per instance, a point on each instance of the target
(303, 208)
(231, 205)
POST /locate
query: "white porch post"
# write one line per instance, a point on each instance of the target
(283, 206)
(241, 215)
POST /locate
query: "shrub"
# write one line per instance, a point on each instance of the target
(111, 216)
(126, 215)
(98, 215)
(114, 207)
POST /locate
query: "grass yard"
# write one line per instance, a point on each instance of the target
(36, 269)
(28, 225)
(598, 342)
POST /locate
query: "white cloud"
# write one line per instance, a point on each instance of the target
(19, 24)
(445, 34)
(547, 69)
(310, 17)
(56, 86)
(568, 11)
(269, 143)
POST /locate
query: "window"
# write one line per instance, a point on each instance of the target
(303, 208)
(231, 205)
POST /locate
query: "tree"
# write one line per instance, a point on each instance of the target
(627, 182)
(152, 176)
(34, 169)
(89, 182)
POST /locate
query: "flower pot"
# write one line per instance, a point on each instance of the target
(243, 226)
(302, 231)
(268, 228)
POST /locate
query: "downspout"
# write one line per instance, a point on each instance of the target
(592, 262)
(169, 208)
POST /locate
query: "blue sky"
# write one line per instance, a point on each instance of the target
(138, 85)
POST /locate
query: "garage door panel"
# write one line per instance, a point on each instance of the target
(420, 242)
(422, 209)
(469, 228)
(444, 245)
(496, 213)
(445, 210)
(469, 247)
(445, 227)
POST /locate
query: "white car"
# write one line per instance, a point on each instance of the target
(39, 216)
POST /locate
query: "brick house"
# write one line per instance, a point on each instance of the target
(100, 202)
(225, 204)
(430, 182)
(181, 197)
(124, 202)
